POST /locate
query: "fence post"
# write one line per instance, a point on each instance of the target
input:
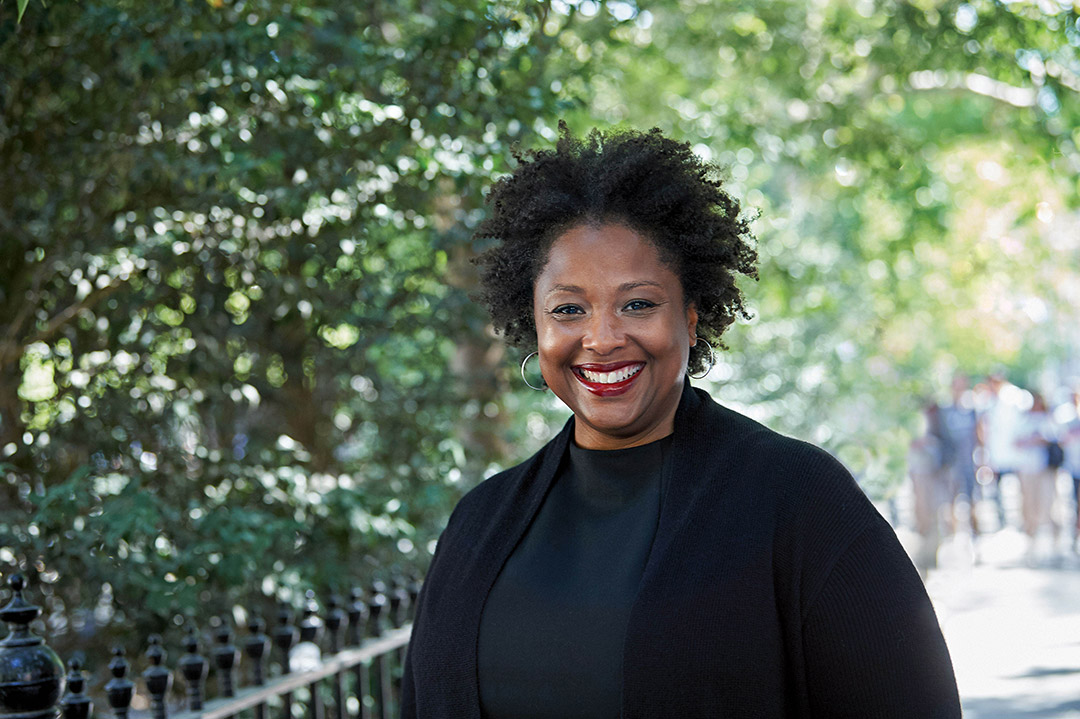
(378, 607)
(311, 630)
(119, 690)
(414, 596)
(358, 619)
(31, 674)
(284, 638)
(358, 615)
(335, 621)
(226, 655)
(193, 667)
(255, 647)
(157, 677)
(75, 704)
(400, 601)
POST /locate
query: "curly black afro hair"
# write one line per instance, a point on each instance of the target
(650, 183)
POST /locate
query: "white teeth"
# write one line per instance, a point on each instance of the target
(612, 377)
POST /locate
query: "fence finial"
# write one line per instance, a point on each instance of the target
(119, 690)
(31, 674)
(377, 604)
(307, 655)
(75, 704)
(255, 647)
(335, 620)
(157, 677)
(226, 655)
(284, 635)
(399, 602)
(358, 614)
(193, 667)
(311, 625)
(414, 595)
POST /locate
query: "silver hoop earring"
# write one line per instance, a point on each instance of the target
(712, 357)
(525, 379)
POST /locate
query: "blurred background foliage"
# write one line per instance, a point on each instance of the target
(237, 354)
(916, 170)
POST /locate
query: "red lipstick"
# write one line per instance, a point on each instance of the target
(607, 389)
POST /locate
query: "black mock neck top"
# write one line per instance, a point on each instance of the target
(552, 629)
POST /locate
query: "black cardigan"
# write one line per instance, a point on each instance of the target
(774, 588)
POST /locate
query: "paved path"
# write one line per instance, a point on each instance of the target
(1012, 622)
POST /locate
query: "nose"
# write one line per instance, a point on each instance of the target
(603, 334)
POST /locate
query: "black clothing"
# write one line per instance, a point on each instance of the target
(552, 629)
(773, 588)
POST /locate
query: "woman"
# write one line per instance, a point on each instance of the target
(1070, 445)
(662, 556)
(930, 485)
(1035, 431)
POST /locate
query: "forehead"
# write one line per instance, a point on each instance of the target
(599, 256)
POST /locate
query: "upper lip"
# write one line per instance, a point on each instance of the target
(609, 367)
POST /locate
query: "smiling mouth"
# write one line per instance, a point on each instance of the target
(608, 380)
(611, 376)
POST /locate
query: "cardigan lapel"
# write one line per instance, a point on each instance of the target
(700, 455)
(512, 519)
(680, 472)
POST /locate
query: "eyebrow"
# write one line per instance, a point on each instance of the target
(640, 283)
(624, 287)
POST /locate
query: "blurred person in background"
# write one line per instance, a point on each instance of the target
(998, 426)
(1035, 432)
(1069, 437)
(930, 485)
(959, 426)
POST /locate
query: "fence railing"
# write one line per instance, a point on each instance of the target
(357, 678)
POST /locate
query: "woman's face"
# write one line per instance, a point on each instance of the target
(613, 333)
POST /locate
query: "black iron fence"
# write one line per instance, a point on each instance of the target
(343, 664)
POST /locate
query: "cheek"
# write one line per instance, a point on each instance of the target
(553, 344)
(679, 335)
(676, 346)
(549, 341)
(680, 351)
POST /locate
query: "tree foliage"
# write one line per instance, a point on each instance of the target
(916, 170)
(235, 337)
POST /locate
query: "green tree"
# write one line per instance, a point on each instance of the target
(236, 353)
(916, 170)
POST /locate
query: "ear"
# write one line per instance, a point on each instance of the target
(691, 323)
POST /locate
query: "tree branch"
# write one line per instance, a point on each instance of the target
(11, 350)
(24, 310)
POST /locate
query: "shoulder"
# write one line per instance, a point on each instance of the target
(816, 498)
(486, 499)
(798, 492)
(747, 448)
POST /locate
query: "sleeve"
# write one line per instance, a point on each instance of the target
(871, 642)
